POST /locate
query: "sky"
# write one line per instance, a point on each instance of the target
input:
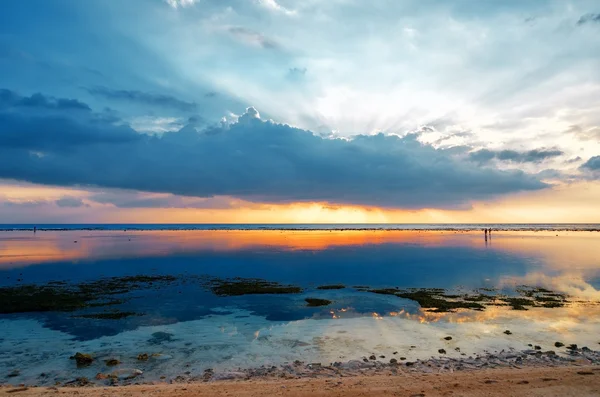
(281, 111)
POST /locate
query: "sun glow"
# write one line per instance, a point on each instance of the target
(561, 204)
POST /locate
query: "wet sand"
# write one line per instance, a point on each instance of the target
(577, 381)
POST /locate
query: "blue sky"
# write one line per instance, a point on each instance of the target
(404, 105)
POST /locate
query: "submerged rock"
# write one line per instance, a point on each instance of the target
(143, 357)
(82, 359)
(14, 373)
(160, 337)
(112, 362)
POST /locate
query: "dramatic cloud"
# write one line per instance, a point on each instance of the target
(143, 98)
(589, 18)
(131, 199)
(40, 130)
(592, 164)
(257, 160)
(531, 156)
(38, 101)
(70, 202)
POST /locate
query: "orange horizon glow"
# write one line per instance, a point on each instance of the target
(574, 203)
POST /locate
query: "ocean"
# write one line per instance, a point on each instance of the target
(233, 297)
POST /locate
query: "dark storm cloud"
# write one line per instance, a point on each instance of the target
(70, 202)
(530, 156)
(593, 164)
(123, 199)
(589, 18)
(10, 98)
(50, 124)
(143, 98)
(252, 159)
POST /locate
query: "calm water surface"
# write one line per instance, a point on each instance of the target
(192, 329)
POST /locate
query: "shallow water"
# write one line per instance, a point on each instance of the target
(189, 329)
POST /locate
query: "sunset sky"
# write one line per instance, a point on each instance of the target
(282, 111)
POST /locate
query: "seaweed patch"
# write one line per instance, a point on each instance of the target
(249, 286)
(315, 302)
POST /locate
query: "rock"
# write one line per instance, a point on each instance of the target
(393, 361)
(457, 349)
(82, 381)
(314, 365)
(572, 347)
(143, 357)
(507, 332)
(448, 338)
(402, 358)
(14, 373)
(82, 359)
(112, 362)
(366, 360)
(160, 337)
(125, 373)
(395, 353)
(536, 347)
(101, 376)
(558, 344)
(381, 356)
(355, 364)
(229, 376)
(372, 357)
(442, 351)
(409, 363)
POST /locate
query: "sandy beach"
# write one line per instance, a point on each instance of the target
(577, 381)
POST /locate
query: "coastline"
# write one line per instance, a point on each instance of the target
(580, 381)
(314, 227)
